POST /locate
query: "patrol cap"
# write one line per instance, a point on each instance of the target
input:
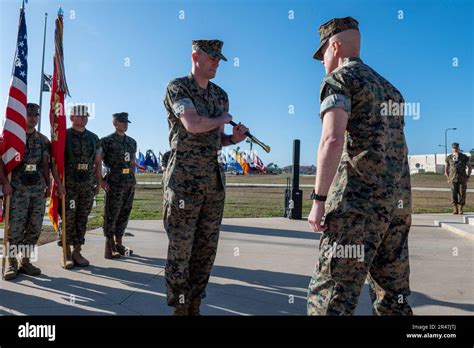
(80, 110)
(32, 109)
(211, 47)
(455, 145)
(121, 117)
(331, 28)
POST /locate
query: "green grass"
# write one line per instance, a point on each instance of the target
(433, 180)
(269, 201)
(252, 178)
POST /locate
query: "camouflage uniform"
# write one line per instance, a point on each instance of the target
(27, 205)
(194, 194)
(369, 201)
(119, 155)
(80, 179)
(458, 177)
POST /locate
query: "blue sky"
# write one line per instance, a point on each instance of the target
(275, 69)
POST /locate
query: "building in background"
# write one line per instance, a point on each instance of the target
(432, 163)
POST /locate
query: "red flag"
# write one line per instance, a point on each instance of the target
(14, 129)
(57, 117)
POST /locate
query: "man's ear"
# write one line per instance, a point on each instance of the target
(336, 46)
(194, 56)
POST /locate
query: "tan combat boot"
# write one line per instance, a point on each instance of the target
(461, 209)
(12, 269)
(69, 263)
(78, 259)
(110, 249)
(122, 249)
(181, 311)
(194, 307)
(455, 209)
(27, 267)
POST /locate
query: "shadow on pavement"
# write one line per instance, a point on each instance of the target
(272, 232)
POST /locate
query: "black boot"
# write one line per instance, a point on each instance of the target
(12, 269)
(122, 249)
(77, 257)
(110, 249)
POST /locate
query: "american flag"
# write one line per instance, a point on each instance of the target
(257, 162)
(14, 128)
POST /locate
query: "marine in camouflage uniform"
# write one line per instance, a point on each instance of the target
(118, 152)
(29, 183)
(83, 177)
(369, 202)
(456, 164)
(194, 179)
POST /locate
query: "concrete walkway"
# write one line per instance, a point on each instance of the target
(263, 267)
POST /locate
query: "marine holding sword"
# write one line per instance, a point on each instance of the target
(194, 181)
(118, 153)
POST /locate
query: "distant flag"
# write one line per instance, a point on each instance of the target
(47, 82)
(249, 160)
(236, 163)
(140, 162)
(14, 127)
(242, 161)
(141, 159)
(223, 160)
(57, 116)
(258, 163)
(150, 160)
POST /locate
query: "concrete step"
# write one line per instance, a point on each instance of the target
(469, 219)
(460, 228)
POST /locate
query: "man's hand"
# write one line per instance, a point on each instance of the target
(316, 215)
(238, 133)
(226, 117)
(47, 191)
(7, 189)
(61, 191)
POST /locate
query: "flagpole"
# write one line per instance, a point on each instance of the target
(63, 228)
(6, 243)
(5, 231)
(42, 73)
